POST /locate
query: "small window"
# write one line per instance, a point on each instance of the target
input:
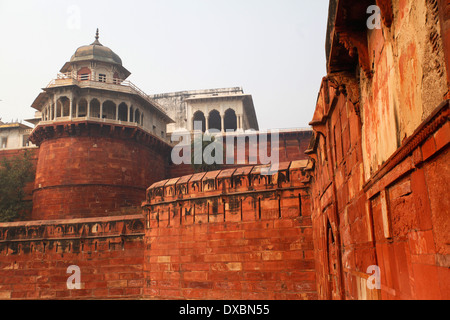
(154, 129)
(162, 134)
(84, 76)
(26, 140)
(4, 142)
(102, 77)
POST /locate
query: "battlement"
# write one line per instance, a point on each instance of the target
(74, 235)
(229, 181)
(234, 229)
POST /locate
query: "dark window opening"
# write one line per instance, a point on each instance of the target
(102, 77)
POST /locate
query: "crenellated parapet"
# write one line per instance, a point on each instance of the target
(231, 234)
(239, 194)
(69, 236)
(221, 182)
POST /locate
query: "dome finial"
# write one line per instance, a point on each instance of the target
(96, 42)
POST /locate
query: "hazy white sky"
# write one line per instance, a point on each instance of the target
(274, 49)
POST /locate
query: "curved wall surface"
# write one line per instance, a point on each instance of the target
(95, 171)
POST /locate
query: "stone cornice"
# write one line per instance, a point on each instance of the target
(60, 129)
(29, 236)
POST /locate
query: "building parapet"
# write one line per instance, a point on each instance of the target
(229, 182)
(67, 235)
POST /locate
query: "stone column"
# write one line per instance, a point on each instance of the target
(222, 119)
(71, 108)
(88, 111)
(55, 108)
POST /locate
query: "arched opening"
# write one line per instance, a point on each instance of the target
(137, 116)
(84, 74)
(109, 110)
(215, 121)
(123, 112)
(199, 117)
(116, 79)
(142, 119)
(95, 108)
(62, 107)
(82, 108)
(230, 120)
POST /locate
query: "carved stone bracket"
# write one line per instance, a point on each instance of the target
(356, 44)
(348, 85)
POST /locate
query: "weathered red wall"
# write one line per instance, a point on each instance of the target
(408, 207)
(380, 154)
(340, 230)
(34, 257)
(246, 239)
(397, 220)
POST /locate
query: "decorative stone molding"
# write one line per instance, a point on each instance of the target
(67, 235)
(88, 127)
(356, 44)
(347, 84)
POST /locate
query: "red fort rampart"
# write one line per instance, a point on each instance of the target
(366, 189)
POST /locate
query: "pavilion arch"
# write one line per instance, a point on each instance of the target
(82, 107)
(215, 120)
(199, 117)
(116, 79)
(94, 108)
(63, 107)
(230, 120)
(123, 112)
(84, 74)
(109, 110)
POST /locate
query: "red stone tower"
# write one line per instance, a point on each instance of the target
(102, 140)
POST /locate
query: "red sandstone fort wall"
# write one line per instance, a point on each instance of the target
(397, 220)
(35, 256)
(375, 193)
(381, 155)
(101, 173)
(231, 234)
